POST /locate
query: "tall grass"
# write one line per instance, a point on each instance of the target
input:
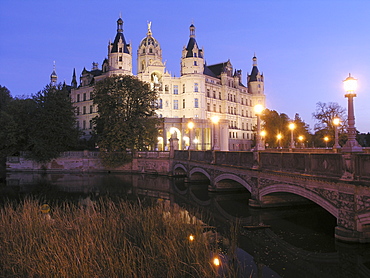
(107, 239)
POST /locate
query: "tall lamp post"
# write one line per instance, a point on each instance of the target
(258, 110)
(291, 127)
(215, 120)
(336, 122)
(350, 86)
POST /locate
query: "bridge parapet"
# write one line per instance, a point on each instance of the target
(323, 164)
(362, 166)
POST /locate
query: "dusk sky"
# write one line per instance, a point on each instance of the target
(305, 49)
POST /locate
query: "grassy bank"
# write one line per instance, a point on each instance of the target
(106, 239)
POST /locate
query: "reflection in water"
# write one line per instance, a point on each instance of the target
(299, 243)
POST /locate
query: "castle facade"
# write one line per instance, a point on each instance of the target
(206, 107)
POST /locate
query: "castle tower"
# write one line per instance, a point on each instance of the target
(256, 84)
(192, 57)
(119, 53)
(53, 76)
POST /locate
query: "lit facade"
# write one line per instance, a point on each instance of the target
(201, 92)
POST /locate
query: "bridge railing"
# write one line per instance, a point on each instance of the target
(244, 159)
(327, 164)
(362, 166)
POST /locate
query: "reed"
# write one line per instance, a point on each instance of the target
(104, 239)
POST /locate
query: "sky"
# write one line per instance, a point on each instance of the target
(305, 48)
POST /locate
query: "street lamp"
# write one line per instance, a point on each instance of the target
(279, 136)
(350, 86)
(258, 110)
(326, 139)
(215, 120)
(291, 127)
(300, 138)
(336, 122)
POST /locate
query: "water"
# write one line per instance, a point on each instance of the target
(298, 243)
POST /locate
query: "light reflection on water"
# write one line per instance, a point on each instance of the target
(299, 243)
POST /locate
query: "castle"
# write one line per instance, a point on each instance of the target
(207, 107)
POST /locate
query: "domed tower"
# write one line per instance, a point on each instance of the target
(119, 52)
(192, 56)
(149, 52)
(53, 76)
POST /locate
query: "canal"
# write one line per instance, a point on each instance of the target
(276, 242)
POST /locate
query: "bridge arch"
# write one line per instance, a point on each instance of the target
(179, 169)
(317, 199)
(233, 177)
(197, 170)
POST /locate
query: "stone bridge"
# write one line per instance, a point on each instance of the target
(338, 183)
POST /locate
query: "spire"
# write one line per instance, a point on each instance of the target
(54, 76)
(119, 39)
(254, 60)
(74, 80)
(192, 31)
(192, 49)
(255, 72)
(120, 25)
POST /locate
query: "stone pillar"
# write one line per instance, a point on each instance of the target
(174, 144)
(224, 135)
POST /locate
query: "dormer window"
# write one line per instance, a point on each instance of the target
(150, 50)
(195, 54)
(120, 49)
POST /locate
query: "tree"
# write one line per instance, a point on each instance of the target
(127, 120)
(8, 134)
(54, 125)
(325, 113)
(274, 124)
(301, 129)
(22, 111)
(5, 98)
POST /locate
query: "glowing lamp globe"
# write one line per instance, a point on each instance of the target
(350, 84)
(258, 108)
